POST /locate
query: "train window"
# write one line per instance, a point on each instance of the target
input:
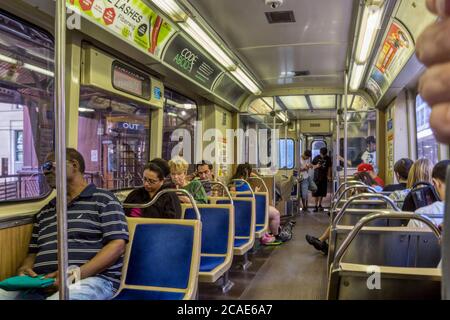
(361, 132)
(113, 137)
(427, 147)
(26, 108)
(286, 154)
(316, 145)
(179, 113)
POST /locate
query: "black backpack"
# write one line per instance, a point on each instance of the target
(422, 194)
(285, 233)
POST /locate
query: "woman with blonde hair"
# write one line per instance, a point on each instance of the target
(420, 172)
(178, 173)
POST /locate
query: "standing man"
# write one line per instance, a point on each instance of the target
(97, 234)
(322, 174)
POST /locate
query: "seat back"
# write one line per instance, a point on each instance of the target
(217, 228)
(364, 282)
(389, 246)
(244, 221)
(162, 255)
(262, 213)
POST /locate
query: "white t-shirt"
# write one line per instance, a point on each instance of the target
(370, 158)
(437, 208)
(308, 173)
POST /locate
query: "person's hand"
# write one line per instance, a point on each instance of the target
(55, 285)
(433, 50)
(26, 271)
(184, 199)
(257, 189)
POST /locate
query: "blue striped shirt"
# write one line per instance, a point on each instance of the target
(94, 218)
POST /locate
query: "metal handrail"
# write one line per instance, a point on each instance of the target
(345, 184)
(248, 184)
(158, 195)
(260, 179)
(356, 186)
(220, 184)
(375, 216)
(359, 196)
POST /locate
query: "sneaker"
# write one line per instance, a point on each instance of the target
(316, 209)
(317, 244)
(320, 208)
(268, 240)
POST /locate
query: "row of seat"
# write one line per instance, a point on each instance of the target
(165, 259)
(372, 256)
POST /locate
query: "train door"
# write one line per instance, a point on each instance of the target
(315, 143)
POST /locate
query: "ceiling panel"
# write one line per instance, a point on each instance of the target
(323, 101)
(317, 42)
(295, 102)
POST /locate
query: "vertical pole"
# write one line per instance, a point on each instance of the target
(285, 148)
(276, 144)
(60, 153)
(338, 145)
(446, 244)
(345, 125)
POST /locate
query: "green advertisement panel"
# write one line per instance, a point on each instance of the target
(130, 20)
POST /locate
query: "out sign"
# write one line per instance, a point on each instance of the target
(86, 5)
(109, 15)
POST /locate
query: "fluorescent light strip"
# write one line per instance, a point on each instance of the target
(197, 33)
(81, 109)
(242, 77)
(171, 114)
(356, 76)
(369, 26)
(175, 12)
(27, 66)
(172, 9)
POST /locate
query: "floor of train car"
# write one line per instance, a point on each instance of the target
(291, 271)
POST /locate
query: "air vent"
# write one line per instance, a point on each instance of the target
(280, 17)
(301, 73)
(314, 125)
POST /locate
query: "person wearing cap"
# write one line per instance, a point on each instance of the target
(366, 167)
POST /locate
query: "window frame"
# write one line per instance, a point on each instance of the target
(279, 154)
(424, 113)
(52, 38)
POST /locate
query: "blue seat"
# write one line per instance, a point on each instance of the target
(261, 211)
(244, 219)
(207, 264)
(130, 294)
(162, 254)
(217, 239)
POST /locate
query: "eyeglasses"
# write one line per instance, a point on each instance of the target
(149, 181)
(48, 166)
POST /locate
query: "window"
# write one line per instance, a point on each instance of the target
(316, 145)
(286, 154)
(179, 113)
(18, 145)
(26, 108)
(113, 137)
(361, 133)
(427, 147)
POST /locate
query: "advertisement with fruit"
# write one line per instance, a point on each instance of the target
(131, 20)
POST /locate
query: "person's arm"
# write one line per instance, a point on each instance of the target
(26, 269)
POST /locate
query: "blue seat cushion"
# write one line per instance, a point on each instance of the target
(210, 263)
(260, 208)
(259, 228)
(130, 294)
(240, 242)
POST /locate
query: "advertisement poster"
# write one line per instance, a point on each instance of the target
(397, 48)
(130, 20)
(190, 61)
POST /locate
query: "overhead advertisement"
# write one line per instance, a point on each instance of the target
(229, 90)
(130, 20)
(397, 48)
(188, 60)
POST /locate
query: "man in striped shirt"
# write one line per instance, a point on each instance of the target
(97, 234)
